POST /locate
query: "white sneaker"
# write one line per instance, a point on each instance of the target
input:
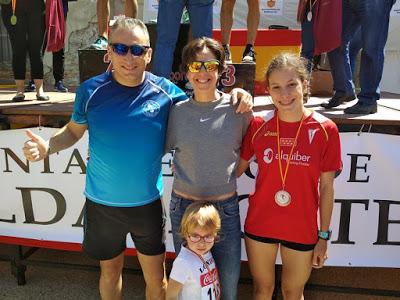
(228, 56)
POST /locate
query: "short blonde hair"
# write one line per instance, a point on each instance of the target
(200, 214)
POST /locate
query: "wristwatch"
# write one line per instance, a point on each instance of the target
(325, 235)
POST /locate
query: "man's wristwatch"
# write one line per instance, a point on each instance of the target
(324, 235)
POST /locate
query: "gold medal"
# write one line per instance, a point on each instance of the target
(282, 198)
(13, 20)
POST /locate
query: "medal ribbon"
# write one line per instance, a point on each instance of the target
(13, 5)
(310, 14)
(13, 19)
(312, 4)
(283, 177)
(208, 271)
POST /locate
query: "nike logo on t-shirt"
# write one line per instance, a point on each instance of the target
(204, 119)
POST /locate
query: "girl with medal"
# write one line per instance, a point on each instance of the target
(194, 275)
(298, 154)
(25, 24)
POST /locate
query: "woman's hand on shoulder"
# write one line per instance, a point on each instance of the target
(243, 99)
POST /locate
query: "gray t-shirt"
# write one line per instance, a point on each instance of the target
(206, 137)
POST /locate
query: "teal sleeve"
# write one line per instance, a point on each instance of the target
(175, 92)
(79, 115)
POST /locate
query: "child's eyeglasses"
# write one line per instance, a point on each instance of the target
(207, 239)
(209, 66)
(122, 49)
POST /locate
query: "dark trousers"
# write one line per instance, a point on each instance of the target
(59, 57)
(371, 17)
(26, 36)
(58, 65)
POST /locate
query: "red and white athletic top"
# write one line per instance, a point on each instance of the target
(317, 150)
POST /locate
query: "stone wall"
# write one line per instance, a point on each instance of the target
(81, 32)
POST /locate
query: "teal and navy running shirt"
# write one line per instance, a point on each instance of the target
(127, 127)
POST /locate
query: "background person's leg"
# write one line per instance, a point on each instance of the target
(131, 8)
(374, 20)
(354, 49)
(59, 61)
(103, 17)
(20, 83)
(58, 71)
(307, 41)
(253, 19)
(339, 58)
(226, 20)
(18, 45)
(374, 31)
(36, 35)
(201, 17)
(340, 62)
(168, 24)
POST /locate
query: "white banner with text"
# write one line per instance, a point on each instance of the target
(44, 201)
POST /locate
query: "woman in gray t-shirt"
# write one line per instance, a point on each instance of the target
(206, 134)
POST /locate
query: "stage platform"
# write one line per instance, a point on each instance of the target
(388, 110)
(56, 112)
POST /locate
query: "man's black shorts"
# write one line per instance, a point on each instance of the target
(106, 227)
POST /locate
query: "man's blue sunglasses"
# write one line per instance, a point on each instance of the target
(122, 49)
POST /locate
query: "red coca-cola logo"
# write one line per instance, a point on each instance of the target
(209, 277)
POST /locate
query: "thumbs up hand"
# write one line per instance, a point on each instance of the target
(36, 148)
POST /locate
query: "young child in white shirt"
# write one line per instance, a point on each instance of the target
(194, 275)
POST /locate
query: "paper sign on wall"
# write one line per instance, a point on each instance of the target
(271, 7)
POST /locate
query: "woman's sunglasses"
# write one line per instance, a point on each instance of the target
(207, 239)
(122, 49)
(209, 66)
